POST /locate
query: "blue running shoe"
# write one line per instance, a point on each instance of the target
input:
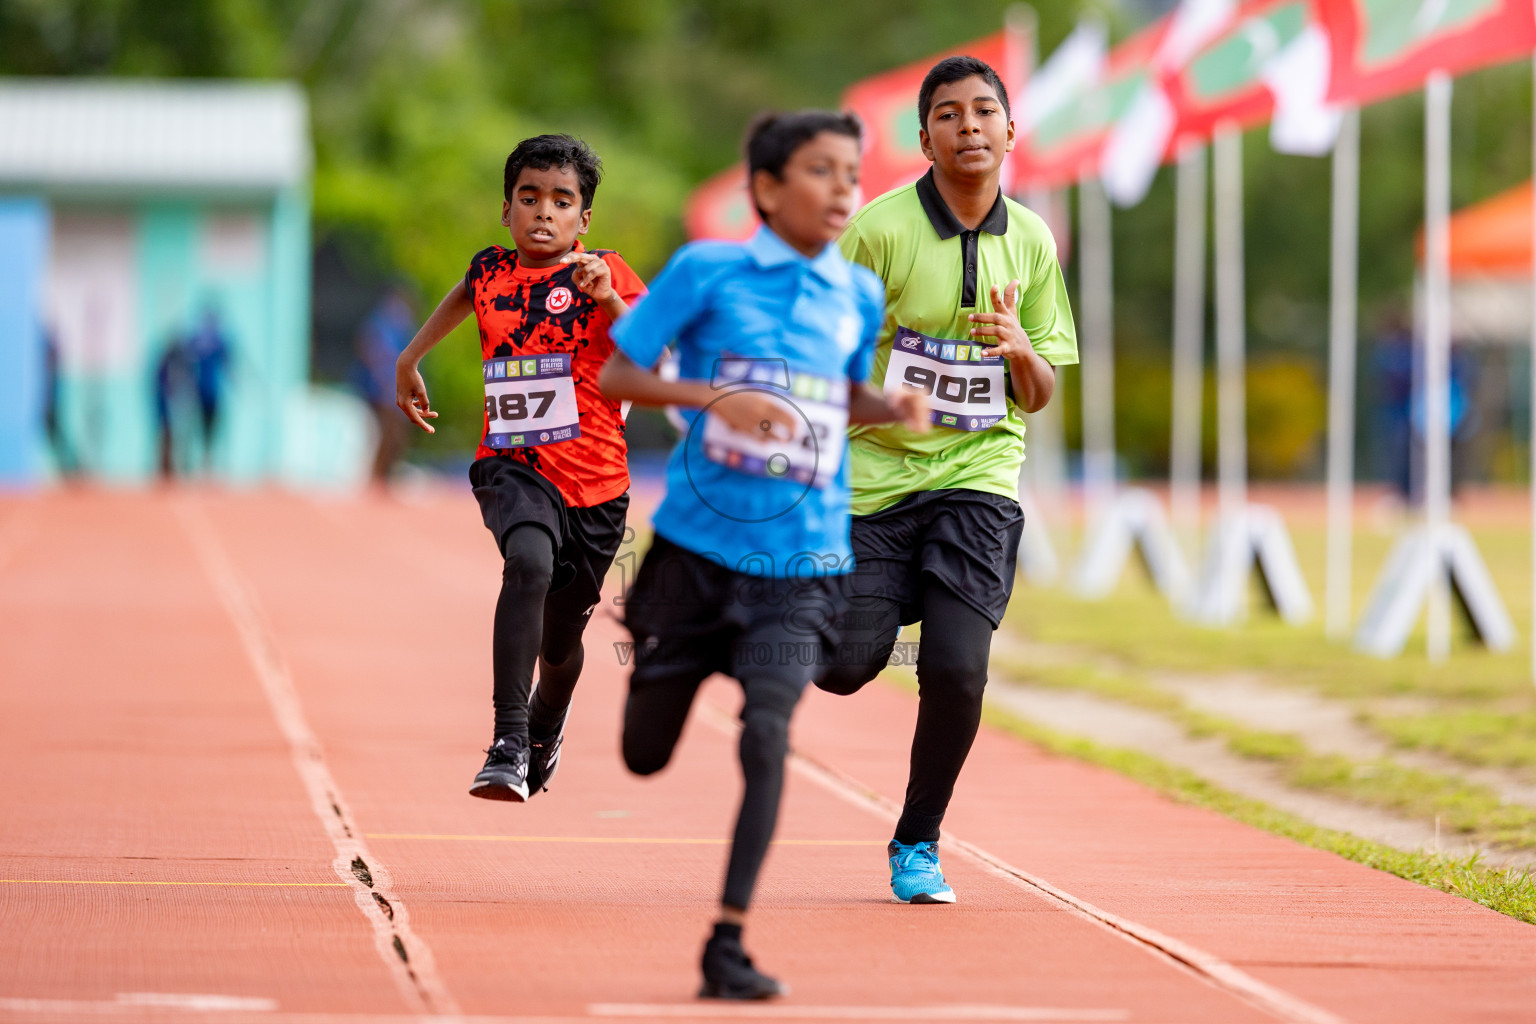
(915, 874)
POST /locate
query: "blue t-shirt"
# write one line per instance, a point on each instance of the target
(800, 328)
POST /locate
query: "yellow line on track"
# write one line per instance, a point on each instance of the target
(111, 881)
(633, 840)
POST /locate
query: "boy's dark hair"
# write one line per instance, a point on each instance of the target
(953, 69)
(773, 138)
(545, 151)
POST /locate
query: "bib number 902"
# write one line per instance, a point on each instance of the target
(948, 387)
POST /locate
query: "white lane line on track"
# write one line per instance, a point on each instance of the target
(147, 1002)
(790, 1011)
(408, 959)
(145, 1007)
(1207, 966)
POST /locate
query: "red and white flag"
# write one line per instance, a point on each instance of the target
(1380, 48)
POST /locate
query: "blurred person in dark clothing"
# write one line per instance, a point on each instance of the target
(206, 351)
(1392, 360)
(173, 381)
(380, 340)
(63, 454)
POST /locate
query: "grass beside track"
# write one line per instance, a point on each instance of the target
(1477, 707)
(1463, 807)
(1511, 892)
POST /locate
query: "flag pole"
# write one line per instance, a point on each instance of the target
(1231, 366)
(1437, 349)
(1188, 346)
(1341, 372)
(1096, 286)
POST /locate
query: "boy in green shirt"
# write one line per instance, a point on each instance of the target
(936, 521)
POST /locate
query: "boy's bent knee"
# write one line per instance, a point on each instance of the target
(844, 680)
(764, 737)
(644, 759)
(530, 558)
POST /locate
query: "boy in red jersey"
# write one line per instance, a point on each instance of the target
(551, 473)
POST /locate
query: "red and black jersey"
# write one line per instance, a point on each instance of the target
(539, 311)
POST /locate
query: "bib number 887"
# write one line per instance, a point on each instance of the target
(949, 387)
(513, 405)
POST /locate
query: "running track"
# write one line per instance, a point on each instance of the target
(236, 736)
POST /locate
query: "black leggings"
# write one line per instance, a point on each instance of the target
(951, 676)
(653, 720)
(533, 626)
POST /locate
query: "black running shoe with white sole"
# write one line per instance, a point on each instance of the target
(505, 775)
(729, 974)
(544, 756)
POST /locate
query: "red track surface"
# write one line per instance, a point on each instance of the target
(214, 703)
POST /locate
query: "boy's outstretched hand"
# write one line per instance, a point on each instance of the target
(411, 395)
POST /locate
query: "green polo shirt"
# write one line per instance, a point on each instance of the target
(936, 274)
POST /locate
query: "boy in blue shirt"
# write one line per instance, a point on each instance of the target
(775, 338)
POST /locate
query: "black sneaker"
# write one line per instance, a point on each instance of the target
(729, 974)
(544, 756)
(505, 775)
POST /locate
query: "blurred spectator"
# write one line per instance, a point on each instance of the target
(173, 381)
(380, 340)
(1393, 362)
(207, 354)
(63, 454)
(189, 389)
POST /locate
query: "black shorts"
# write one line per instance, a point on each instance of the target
(691, 617)
(968, 541)
(586, 539)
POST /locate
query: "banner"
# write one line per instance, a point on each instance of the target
(887, 104)
(1384, 47)
(720, 207)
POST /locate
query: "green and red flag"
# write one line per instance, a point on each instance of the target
(1384, 47)
(887, 104)
(1226, 80)
(1069, 140)
(720, 207)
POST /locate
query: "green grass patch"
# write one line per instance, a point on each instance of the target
(1484, 735)
(1465, 808)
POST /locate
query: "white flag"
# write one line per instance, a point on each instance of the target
(1072, 68)
(1135, 148)
(1140, 138)
(1305, 123)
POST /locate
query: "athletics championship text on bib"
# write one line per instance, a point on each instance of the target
(530, 401)
(812, 456)
(965, 388)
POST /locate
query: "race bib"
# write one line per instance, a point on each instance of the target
(530, 401)
(965, 388)
(815, 452)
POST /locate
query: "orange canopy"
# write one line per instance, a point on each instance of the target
(1493, 237)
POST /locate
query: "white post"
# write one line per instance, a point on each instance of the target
(1188, 347)
(1231, 370)
(1437, 345)
(1341, 372)
(1095, 263)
